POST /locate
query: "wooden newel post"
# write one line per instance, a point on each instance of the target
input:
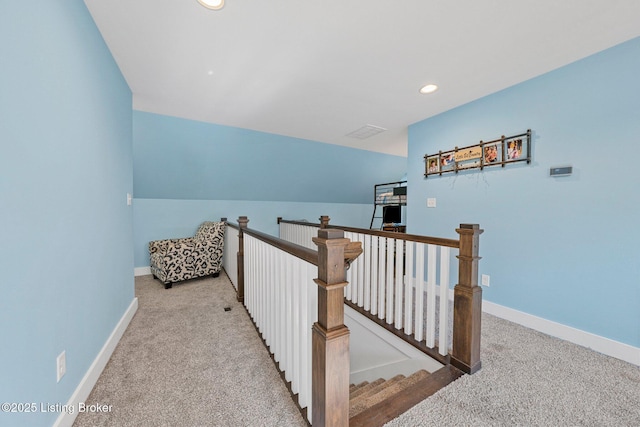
(324, 221)
(467, 311)
(330, 342)
(242, 223)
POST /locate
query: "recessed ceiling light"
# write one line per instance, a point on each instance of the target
(430, 88)
(212, 4)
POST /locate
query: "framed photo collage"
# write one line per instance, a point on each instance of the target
(502, 151)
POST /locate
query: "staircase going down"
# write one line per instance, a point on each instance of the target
(375, 403)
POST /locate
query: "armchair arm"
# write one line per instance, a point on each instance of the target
(163, 246)
(180, 248)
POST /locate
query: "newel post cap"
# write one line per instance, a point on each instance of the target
(243, 221)
(469, 229)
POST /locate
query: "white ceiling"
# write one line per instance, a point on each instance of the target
(320, 69)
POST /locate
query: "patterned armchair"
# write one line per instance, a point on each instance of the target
(173, 260)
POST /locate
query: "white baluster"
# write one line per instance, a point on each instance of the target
(254, 273)
(361, 283)
(296, 330)
(259, 274)
(279, 306)
(312, 272)
(249, 268)
(269, 297)
(390, 257)
(305, 329)
(289, 302)
(419, 309)
(408, 290)
(399, 267)
(443, 338)
(258, 278)
(432, 256)
(382, 271)
(373, 285)
(248, 264)
(367, 271)
(311, 233)
(304, 233)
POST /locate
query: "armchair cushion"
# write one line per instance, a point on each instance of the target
(174, 260)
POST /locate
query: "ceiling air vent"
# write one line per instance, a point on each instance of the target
(366, 131)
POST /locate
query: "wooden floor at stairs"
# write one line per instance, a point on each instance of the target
(374, 404)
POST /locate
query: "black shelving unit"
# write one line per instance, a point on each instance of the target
(392, 196)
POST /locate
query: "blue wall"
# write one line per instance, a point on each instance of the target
(186, 172)
(160, 218)
(184, 159)
(564, 248)
(66, 231)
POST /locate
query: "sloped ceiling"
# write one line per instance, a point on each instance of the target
(321, 69)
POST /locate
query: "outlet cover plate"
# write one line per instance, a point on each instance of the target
(61, 365)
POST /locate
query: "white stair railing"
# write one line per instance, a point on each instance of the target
(300, 234)
(281, 298)
(388, 279)
(283, 286)
(230, 256)
(403, 281)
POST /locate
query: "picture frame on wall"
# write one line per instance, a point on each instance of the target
(514, 149)
(492, 154)
(447, 161)
(433, 164)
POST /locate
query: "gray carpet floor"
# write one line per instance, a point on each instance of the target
(184, 361)
(531, 379)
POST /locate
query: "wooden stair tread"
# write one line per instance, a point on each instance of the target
(353, 387)
(356, 399)
(384, 391)
(402, 400)
(365, 388)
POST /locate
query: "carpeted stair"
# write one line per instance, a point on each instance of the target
(374, 403)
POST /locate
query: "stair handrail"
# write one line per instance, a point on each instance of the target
(324, 223)
(330, 337)
(467, 306)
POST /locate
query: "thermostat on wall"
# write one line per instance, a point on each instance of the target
(560, 171)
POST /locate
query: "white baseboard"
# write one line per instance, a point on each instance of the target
(141, 271)
(603, 345)
(598, 343)
(81, 393)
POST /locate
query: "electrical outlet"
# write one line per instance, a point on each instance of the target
(431, 202)
(61, 365)
(485, 280)
(129, 199)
